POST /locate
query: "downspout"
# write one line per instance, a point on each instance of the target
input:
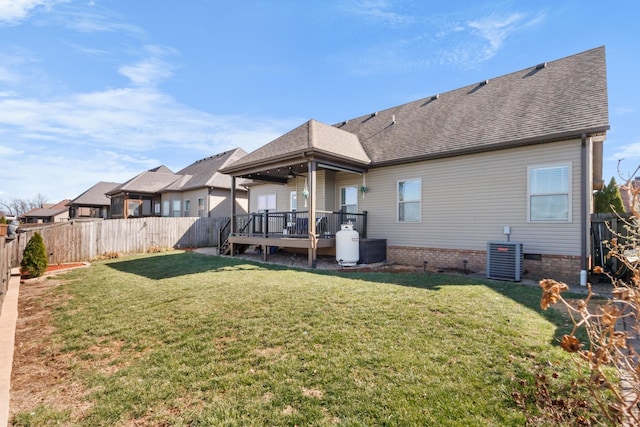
(585, 197)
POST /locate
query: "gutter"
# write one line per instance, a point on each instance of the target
(584, 207)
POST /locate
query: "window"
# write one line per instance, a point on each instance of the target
(349, 199)
(267, 202)
(146, 207)
(201, 207)
(293, 201)
(176, 208)
(409, 200)
(133, 207)
(549, 193)
(187, 208)
(166, 208)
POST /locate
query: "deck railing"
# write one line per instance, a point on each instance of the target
(296, 223)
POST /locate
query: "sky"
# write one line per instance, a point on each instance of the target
(102, 90)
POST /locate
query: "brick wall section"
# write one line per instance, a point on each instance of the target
(559, 267)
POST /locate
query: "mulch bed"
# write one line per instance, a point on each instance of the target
(54, 268)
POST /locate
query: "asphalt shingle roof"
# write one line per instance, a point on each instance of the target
(551, 101)
(566, 97)
(204, 172)
(312, 136)
(95, 196)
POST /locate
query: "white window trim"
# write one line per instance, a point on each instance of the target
(267, 198)
(201, 211)
(398, 201)
(569, 193)
(293, 195)
(340, 196)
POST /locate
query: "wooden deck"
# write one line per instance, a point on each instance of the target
(282, 242)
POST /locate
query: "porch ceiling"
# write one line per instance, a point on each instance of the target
(285, 170)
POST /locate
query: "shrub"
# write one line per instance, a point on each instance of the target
(34, 258)
(610, 352)
(3, 220)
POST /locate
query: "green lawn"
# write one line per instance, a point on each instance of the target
(186, 339)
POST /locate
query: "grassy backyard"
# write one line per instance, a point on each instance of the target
(186, 339)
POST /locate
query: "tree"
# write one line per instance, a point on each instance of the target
(17, 207)
(609, 200)
(34, 257)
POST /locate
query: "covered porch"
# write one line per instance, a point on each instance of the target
(302, 155)
(289, 229)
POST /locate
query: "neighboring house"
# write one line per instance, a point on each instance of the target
(203, 191)
(48, 213)
(446, 174)
(140, 196)
(93, 203)
(198, 190)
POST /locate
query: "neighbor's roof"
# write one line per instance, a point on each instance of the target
(546, 102)
(202, 173)
(95, 196)
(205, 172)
(57, 209)
(147, 182)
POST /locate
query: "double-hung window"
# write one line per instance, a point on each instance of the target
(349, 199)
(201, 207)
(410, 200)
(187, 208)
(266, 202)
(550, 193)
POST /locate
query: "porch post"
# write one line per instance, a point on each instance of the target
(313, 240)
(232, 229)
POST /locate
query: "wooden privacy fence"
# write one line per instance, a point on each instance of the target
(82, 240)
(6, 247)
(604, 227)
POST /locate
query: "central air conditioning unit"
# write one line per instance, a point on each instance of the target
(505, 261)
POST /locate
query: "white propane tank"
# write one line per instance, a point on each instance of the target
(347, 246)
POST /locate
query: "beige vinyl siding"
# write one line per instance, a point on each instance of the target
(468, 200)
(330, 192)
(280, 190)
(325, 192)
(193, 196)
(220, 202)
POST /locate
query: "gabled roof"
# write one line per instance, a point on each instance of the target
(560, 99)
(205, 172)
(57, 209)
(312, 137)
(550, 101)
(95, 196)
(151, 181)
(200, 174)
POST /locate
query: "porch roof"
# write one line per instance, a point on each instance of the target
(312, 139)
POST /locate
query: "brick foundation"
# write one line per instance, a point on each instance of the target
(559, 267)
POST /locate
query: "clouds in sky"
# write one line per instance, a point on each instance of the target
(424, 40)
(112, 133)
(13, 12)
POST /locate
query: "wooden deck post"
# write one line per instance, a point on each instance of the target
(232, 229)
(313, 243)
